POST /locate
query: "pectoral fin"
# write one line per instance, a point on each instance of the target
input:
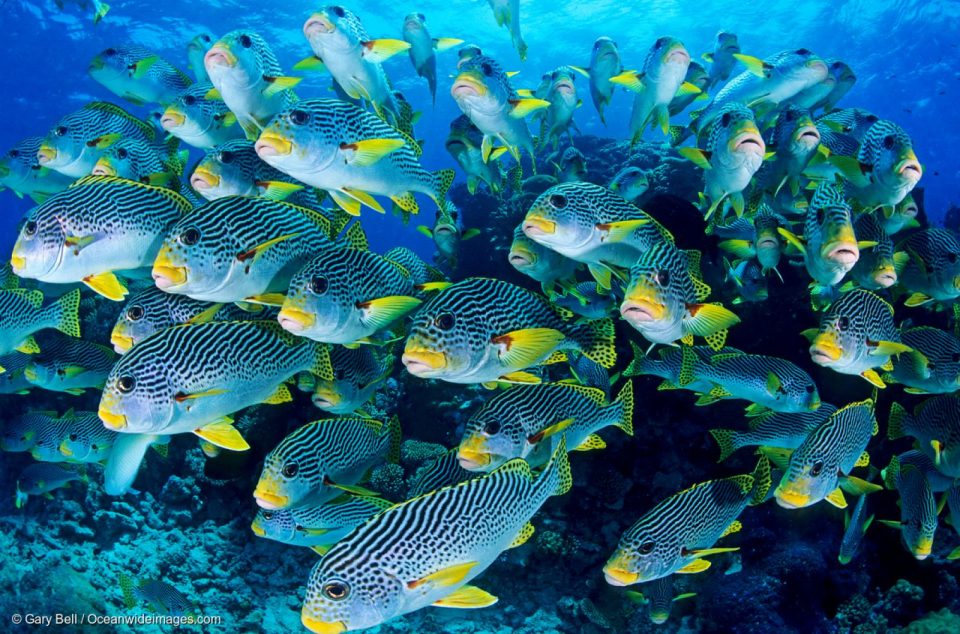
(525, 534)
(523, 107)
(108, 285)
(278, 84)
(222, 433)
(369, 151)
(591, 443)
(445, 577)
(257, 251)
(383, 311)
(695, 566)
(620, 231)
(378, 51)
(524, 348)
(836, 498)
(556, 428)
(467, 598)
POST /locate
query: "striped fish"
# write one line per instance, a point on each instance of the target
(85, 438)
(447, 234)
(350, 153)
(528, 421)
(843, 130)
(238, 247)
(856, 335)
(424, 551)
(588, 300)
(19, 433)
(906, 474)
(420, 272)
(540, 263)
(604, 64)
(160, 595)
(664, 299)
(347, 295)
(245, 73)
(190, 378)
(423, 49)
(44, 477)
(557, 119)
(48, 435)
(772, 429)
(825, 459)
(659, 599)
(68, 364)
(878, 265)
(320, 526)
(196, 49)
(795, 139)
(21, 172)
(464, 143)
(199, 121)
(593, 225)
(631, 182)
(935, 424)
(855, 527)
(233, 168)
(933, 270)
(933, 365)
(73, 146)
(100, 225)
(141, 162)
(484, 330)
(572, 167)
(441, 472)
(357, 373)
(138, 75)
(903, 216)
(12, 379)
(322, 459)
(670, 363)
(22, 314)
(676, 535)
(885, 168)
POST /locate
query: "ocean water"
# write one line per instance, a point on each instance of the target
(185, 518)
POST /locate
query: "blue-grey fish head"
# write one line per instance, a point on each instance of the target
(481, 85)
(491, 438)
(240, 57)
(353, 597)
(320, 300)
(41, 239)
(333, 28)
(139, 395)
(305, 136)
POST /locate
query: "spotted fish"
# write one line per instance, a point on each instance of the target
(357, 374)
(138, 75)
(21, 172)
(68, 364)
(22, 314)
(933, 364)
(319, 526)
(234, 169)
(199, 121)
(933, 269)
(772, 429)
(918, 508)
(540, 263)
(935, 424)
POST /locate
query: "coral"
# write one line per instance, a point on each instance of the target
(942, 622)
(553, 543)
(414, 453)
(902, 602)
(388, 481)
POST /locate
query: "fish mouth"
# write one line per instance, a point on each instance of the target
(520, 259)
(46, 154)
(103, 168)
(824, 350)
(768, 243)
(565, 87)
(923, 548)
(678, 55)
(318, 24)
(322, 627)
(817, 65)
(749, 141)
(112, 420)
(472, 460)
(258, 530)
(885, 278)
(270, 144)
(809, 135)
(203, 179)
(638, 311)
(295, 320)
(423, 362)
(412, 24)
(843, 253)
(18, 263)
(790, 499)
(617, 576)
(66, 450)
(96, 64)
(326, 398)
(466, 85)
(121, 343)
(536, 226)
(219, 55)
(166, 274)
(909, 168)
(171, 119)
(270, 501)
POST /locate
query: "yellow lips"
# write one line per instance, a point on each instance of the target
(422, 356)
(329, 395)
(540, 224)
(46, 153)
(645, 298)
(472, 451)
(111, 420)
(172, 118)
(470, 79)
(104, 168)
(301, 319)
(275, 142)
(257, 529)
(825, 344)
(176, 274)
(18, 262)
(65, 449)
(120, 342)
(791, 498)
(271, 499)
(206, 176)
(923, 548)
(617, 576)
(322, 627)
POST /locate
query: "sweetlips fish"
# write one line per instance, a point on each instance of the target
(199, 121)
(68, 364)
(679, 532)
(604, 65)
(189, 378)
(572, 167)
(162, 597)
(142, 162)
(631, 183)
(593, 225)
(932, 271)
(86, 439)
(463, 143)
(794, 140)
(424, 47)
(935, 424)
(43, 477)
(357, 373)
(856, 335)
(76, 143)
(885, 168)
(540, 263)
(395, 564)
(138, 75)
(320, 526)
(323, 459)
(12, 379)
(97, 227)
(843, 80)
(588, 300)
(749, 281)
(441, 472)
(931, 367)
(557, 118)
(696, 77)
(21, 172)
(823, 462)
(352, 154)
(664, 299)
(901, 216)
(918, 509)
(855, 527)
(527, 422)
(196, 49)
(659, 599)
(772, 429)
(484, 330)
(723, 57)
(22, 314)
(245, 73)
(879, 265)
(447, 234)
(670, 362)
(47, 439)
(19, 433)
(234, 169)
(507, 13)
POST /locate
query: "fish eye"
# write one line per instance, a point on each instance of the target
(189, 100)
(339, 11)
(299, 117)
(245, 41)
(336, 590)
(843, 323)
(61, 130)
(30, 228)
(725, 119)
(319, 285)
(492, 428)
(454, 215)
(647, 547)
(487, 69)
(226, 156)
(661, 42)
(809, 389)
(110, 52)
(73, 437)
(190, 237)
(61, 372)
(126, 384)
(267, 515)
(817, 468)
(663, 278)
(290, 470)
(94, 447)
(952, 258)
(135, 313)
(122, 153)
(558, 201)
(422, 17)
(955, 357)
(13, 153)
(820, 216)
(803, 51)
(338, 374)
(445, 321)
(205, 38)
(888, 142)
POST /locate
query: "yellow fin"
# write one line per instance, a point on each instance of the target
(700, 158)
(836, 498)
(524, 348)
(754, 65)
(917, 299)
(277, 190)
(313, 63)
(442, 44)
(445, 577)
(213, 95)
(108, 285)
(695, 566)
(686, 88)
(267, 299)
(620, 231)
(707, 319)
(320, 550)
(28, 346)
(520, 377)
(258, 250)
(525, 534)
(364, 198)
(378, 51)
(735, 527)
(466, 598)
(630, 79)
(523, 107)
(222, 433)
(705, 552)
(279, 84)
(383, 311)
(369, 151)
(348, 203)
(884, 348)
(863, 460)
(282, 395)
(590, 443)
(355, 489)
(873, 378)
(554, 429)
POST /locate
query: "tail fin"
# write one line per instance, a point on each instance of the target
(726, 441)
(898, 422)
(441, 181)
(624, 401)
(127, 586)
(556, 474)
(640, 364)
(322, 366)
(65, 313)
(891, 475)
(761, 482)
(596, 341)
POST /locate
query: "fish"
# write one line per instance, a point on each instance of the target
(698, 78)
(73, 145)
(323, 459)
(48, 436)
(21, 172)
(918, 508)
(22, 314)
(99, 8)
(394, 565)
(934, 426)
(464, 145)
(208, 372)
(484, 330)
(843, 81)
(540, 263)
(902, 216)
(795, 141)
(12, 379)
(842, 131)
(932, 272)
(197, 47)
(343, 47)
(528, 421)
(507, 13)
(557, 118)
(161, 597)
(239, 247)
(631, 183)
(97, 227)
(347, 296)
(86, 439)
(319, 526)
(484, 94)
(884, 170)
(424, 47)
(588, 300)
(198, 121)
(677, 534)
(593, 225)
(772, 429)
(19, 433)
(823, 462)
(138, 161)
(723, 59)
(733, 154)
(68, 364)
(656, 85)
(424, 276)
(438, 473)
(234, 169)
(447, 234)
(669, 364)
(307, 142)
(857, 335)
(245, 73)
(138, 75)
(357, 374)
(604, 64)
(878, 265)
(748, 280)
(664, 299)
(43, 477)
(855, 526)
(659, 599)
(931, 367)
(953, 504)
(572, 167)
